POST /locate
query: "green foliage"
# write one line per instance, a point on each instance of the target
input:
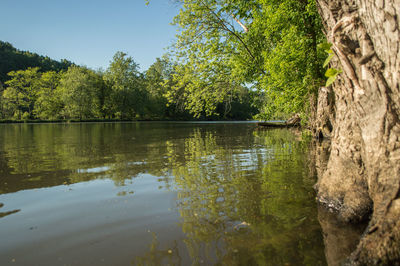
(21, 93)
(292, 60)
(127, 94)
(78, 93)
(167, 90)
(49, 102)
(326, 47)
(331, 73)
(276, 51)
(156, 80)
(229, 55)
(328, 59)
(200, 93)
(211, 53)
(13, 59)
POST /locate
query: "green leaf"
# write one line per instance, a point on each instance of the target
(330, 80)
(328, 59)
(325, 46)
(331, 72)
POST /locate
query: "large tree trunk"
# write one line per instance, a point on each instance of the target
(363, 171)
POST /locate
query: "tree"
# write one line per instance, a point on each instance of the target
(362, 107)
(49, 101)
(78, 90)
(13, 60)
(102, 95)
(269, 44)
(292, 60)
(21, 93)
(127, 94)
(156, 77)
(209, 50)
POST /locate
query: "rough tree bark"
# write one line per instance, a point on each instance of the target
(362, 177)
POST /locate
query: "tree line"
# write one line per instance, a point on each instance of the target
(120, 92)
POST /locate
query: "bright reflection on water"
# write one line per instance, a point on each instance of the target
(156, 194)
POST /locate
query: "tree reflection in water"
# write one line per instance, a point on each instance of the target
(245, 197)
(157, 256)
(247, 203)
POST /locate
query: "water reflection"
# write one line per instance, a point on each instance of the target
(340, 239)
(35, 156)
(3, 214)
(233, 214)
(243, 197)
(158, 256)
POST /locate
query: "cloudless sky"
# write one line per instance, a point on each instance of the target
(89, 32)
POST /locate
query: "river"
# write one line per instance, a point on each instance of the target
(156, 194)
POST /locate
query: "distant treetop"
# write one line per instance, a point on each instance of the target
(12, 59)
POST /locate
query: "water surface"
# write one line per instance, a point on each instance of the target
(156, 194)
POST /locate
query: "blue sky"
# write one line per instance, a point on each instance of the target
(89, 32)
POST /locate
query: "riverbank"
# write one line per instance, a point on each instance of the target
(8, 121)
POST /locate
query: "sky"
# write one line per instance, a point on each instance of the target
(90, 32)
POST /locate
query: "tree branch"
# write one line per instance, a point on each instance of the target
(240, 23)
